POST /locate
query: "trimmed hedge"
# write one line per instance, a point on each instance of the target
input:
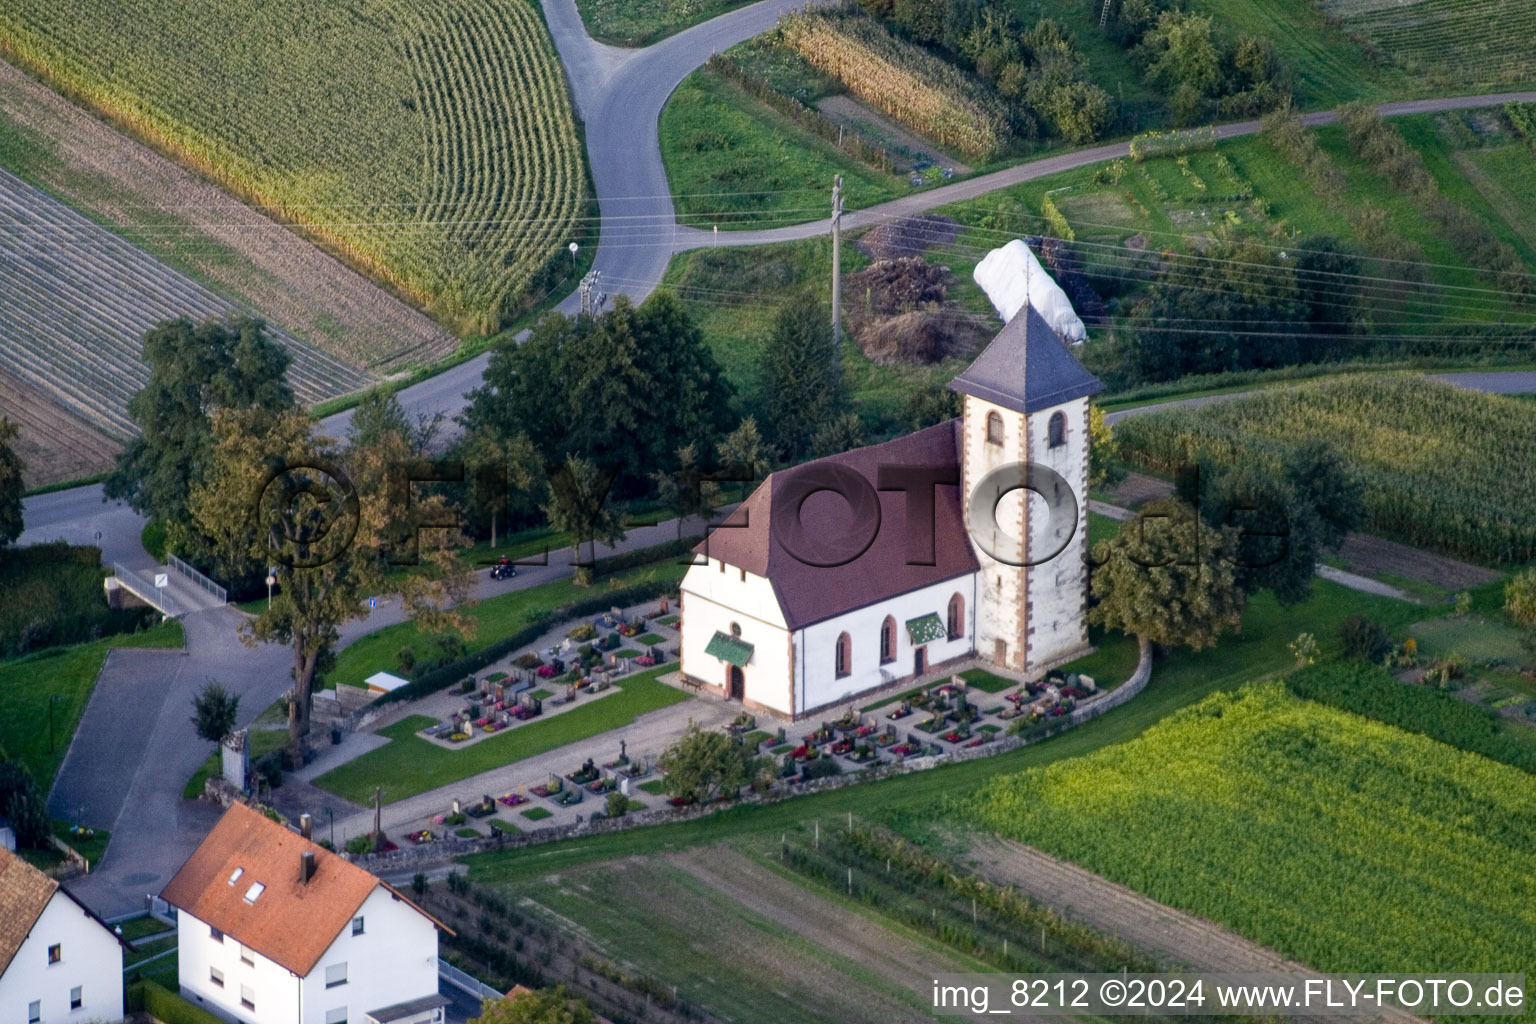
(164, 1005)
(441, 678)
(644, 556)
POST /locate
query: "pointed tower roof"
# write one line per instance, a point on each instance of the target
(1026, 368)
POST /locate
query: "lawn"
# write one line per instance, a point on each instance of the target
(92, 849)
(733, 161)
(1340, 841)
(495, 618)
(643, 22)
(537, 813)
(409, 764)
(29, 686)
(262, 741)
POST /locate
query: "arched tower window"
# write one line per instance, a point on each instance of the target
(956, 617)
(994, 428)
(887, 640)
(735, 629)
(1057, 430)
(844, 655)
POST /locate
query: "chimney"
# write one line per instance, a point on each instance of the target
(306, 866)
(305, 824)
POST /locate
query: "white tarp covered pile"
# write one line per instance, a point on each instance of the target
(1013, 278)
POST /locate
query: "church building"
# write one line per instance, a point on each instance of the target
(854, 572)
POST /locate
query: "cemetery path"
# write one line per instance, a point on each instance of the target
(1150, 926)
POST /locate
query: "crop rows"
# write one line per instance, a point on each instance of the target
(1473, 42)
(76, 300)
(1442, 467)
(928, 95)
(433, 145)
(1343, 842)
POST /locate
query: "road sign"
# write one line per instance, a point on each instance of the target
(373, 602)
(271, 580)
(162, 580)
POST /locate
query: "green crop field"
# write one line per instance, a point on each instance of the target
(433, 145)
(1471, 43)
(1274, 816)
(1442, 467)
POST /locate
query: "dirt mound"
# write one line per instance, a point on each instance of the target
(908, 236)
(899, 311)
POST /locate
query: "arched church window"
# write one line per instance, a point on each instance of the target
(844, 655)
(994, 428)
(887, 640)
(1057, 430)
(735, 629)
(956, 617)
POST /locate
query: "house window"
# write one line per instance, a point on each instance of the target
(34, 1011)
(247, 957)
(844, 655)
(1057, 430)
(956, 617)
(336, 1016)
(247, 997)
(887, 640)
(215, 935)
(55, 953)
(743, 575)
(216, 976)
(76, 997)
(335, 974)
(357, 926)
(994, 428)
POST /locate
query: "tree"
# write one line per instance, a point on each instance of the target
(838, 434)
(540, 1006)
(685, 491)
(380, 413)
(1103, 451)
(11, 485)
(742, 454)
(268, 496)
(1520, 598)
(802, 381)
(1179, 52)
(22, 802)
(1166, 578)
(578, 506)
(504, 486)
(931, 406)
(701, 765)
(214, 712)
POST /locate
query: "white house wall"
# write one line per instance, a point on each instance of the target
(91, 959)
(712, 601)
(393, 961)
(275, 987)
(816, 682)
(1058, 589)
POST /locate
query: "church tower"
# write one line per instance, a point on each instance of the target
(1025, 400)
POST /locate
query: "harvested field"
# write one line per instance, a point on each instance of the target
(177, 216)
(54, 444)
(76, 300)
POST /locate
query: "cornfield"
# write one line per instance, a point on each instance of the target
(432, 145)
(928, 95)
(1340, 841)
(1443, 468)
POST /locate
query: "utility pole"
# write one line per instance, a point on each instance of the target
(837, 269)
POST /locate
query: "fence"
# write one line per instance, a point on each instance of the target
(146, 590)
(198, 578)
(466, 982)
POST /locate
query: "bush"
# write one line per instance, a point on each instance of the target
(1364, 639)
(165, 1006)
(822, 767)
(405, 660)
(585, 631)
(360, 845)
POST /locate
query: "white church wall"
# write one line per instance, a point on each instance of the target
(817, 683)
(1000, 588)
(1058, 588)
(712, 601)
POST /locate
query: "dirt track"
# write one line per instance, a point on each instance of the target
(287, 279)
(1161, 931)
(43, 424)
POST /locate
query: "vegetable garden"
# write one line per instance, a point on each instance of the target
(1274, 816)
(431, 145)
(1443, 468)
(76, 300)
(1470, 42)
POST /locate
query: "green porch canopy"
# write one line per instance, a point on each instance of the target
(729, 648)
(925, 628)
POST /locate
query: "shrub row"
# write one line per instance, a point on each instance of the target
(1150, 145)
(627, 560)
(164, 1005)
(447, 675)
(805, 116)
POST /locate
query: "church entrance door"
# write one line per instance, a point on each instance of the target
(919, 660)
(736, 683)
